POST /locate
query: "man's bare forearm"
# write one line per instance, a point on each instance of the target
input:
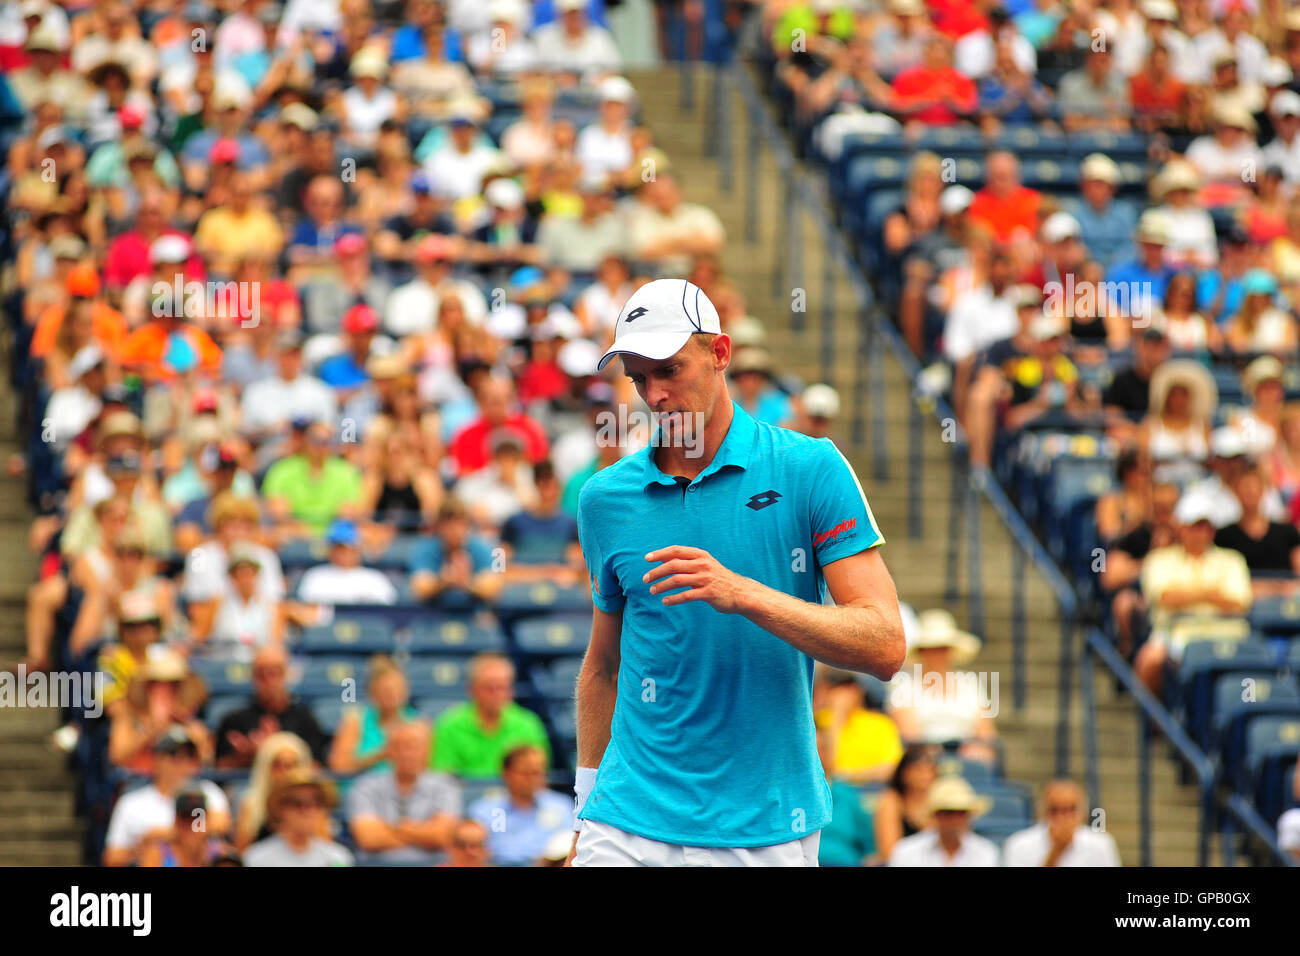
(865, 638)
(597, 693)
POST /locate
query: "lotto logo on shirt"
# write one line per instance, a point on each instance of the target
(834, 533)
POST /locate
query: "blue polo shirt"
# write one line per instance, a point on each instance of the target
(712, 742)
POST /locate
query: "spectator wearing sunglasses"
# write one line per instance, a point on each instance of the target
(1061, 838)
(297, 803)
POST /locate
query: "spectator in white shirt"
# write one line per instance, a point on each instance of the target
(605, 147)
(1193, 242)
(1284, 150)
(456, 169)
(344, 580)
(572, 45)
(985, 315)
(1230, 154)
(974, 53)
(1187, 65)
(270, 404)
(1061, 839)
(671, 233)
(948, 842)
(504, 487)
(503, 48)
(368, 103)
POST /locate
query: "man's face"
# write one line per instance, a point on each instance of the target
(300, 810)
(1003, 174)
(290, 362)
(469, 845)
(1064, 811)
(269, 676)
(494, 401)
(139, 635)
(453, 533)
(1198, 536)
(1097, 191)
(493, 688)
(345, 556)
(685, 384)
(951, 824)
(317, 445)
(526, 776)
(410, 750)
(173, 769)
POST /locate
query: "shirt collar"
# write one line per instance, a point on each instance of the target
(736, 448)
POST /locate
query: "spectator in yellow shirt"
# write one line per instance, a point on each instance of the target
(1190, 579)
(863, 744)
(227, 233)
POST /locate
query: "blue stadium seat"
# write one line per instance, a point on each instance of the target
(302, 553)
(1051, 175)
(453, 634)
(398, 555)
(1271, 696)
(224, 678)
(328, 712)
(557, 681)
(978, 773)
(472, 791)
(952, 141)
(327, 676)
(437, 676)
(1030, 141)
(553, 635)
(1272, 746)
(1202, 663)
(370, 635)
(1276, 616)
(520, 600)
(1129, 146)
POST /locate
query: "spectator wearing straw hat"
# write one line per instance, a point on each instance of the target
(296, 803)
(1190, 578)
(1259, 425)
(1106, 224)
(1175, 432)
(1229, 153)
(950, 842)
(931, 701)
(1192, 241)
(1061, 838)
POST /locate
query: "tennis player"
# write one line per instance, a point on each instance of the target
(710, 561)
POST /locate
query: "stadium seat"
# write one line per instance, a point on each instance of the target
(372, 635)
(326, 676)
(437, 676)
(223, 678)
(557, 681)
(1272, 746)
(1269, 695)
(1201, 665)
(553, 635)
(978, 773)
(1276, 616)
(521, 600)
(302, 553)
(453, 634)
(218, 707)
(431, 708)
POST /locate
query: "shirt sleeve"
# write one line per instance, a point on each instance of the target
(606, 592)
(361, 801)
(841, 519)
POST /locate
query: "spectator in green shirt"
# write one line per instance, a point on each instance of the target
(312, 488)
(815, 19)
(474, 737)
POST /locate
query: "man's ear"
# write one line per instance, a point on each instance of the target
(721, 352)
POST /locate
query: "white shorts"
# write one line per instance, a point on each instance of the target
(600, 844)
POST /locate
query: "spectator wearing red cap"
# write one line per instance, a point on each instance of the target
(347, 370)
(327, 297)
(240, 226)
(106, 325)
(471, 449)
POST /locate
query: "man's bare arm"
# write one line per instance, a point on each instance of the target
(863, 632)
(598, 687)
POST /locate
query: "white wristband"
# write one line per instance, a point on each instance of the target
(583, 781)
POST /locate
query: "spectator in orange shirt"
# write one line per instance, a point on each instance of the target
(1159, 98)
(935, 93)
(1004, 206)
(107, 327)
(167, 347)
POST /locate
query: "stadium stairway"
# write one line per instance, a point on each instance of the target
(918, 565)
(38, 825)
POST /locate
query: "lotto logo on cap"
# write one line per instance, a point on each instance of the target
(660, 318)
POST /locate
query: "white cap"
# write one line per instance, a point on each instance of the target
(820, 401)
(1060, 226)
(169, 249)
(1285, 103)
(1227, 442)
(1193, 507)
(616, 89)
(955, 199)
(504, 194)
(660, 318)
(87, 358)
(506, 11)
(1159, 10)
(1047, 326)
(559, 323)
(578, 357)
(1276, 72)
